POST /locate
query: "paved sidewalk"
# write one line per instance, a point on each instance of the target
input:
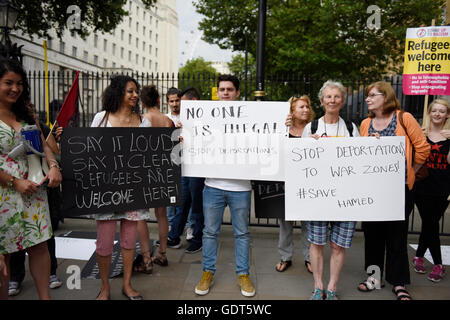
(177, 281)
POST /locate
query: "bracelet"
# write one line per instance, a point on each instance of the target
(10, 182)
(54, 165)
(53, 160)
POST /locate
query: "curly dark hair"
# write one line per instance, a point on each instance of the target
(20, 108)
(149, 96)
(113, 95)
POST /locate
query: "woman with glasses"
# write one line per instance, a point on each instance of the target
(389, 238)
(301, 113)
(332, 97)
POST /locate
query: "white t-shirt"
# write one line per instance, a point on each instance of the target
(338, 129)
(99, 117)
(174, 118)
(229, 184)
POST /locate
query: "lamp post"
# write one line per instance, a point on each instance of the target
(260, 56)
(8, 17)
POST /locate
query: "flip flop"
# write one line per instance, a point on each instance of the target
(308, 265)
(284, 265)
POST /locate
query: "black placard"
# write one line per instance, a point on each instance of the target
(119, 169)
(269, 199)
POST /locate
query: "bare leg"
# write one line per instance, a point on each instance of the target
(39, 259)
(104, 263)
(127, 258)
(143, 237)
(336, 263)
(4, 281)
(316, 256)
(163, 227)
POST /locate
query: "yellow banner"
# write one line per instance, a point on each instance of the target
(424, 56)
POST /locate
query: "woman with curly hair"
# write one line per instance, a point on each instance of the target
(120, 109)
(24, 211)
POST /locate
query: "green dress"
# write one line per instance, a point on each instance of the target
(24, 219)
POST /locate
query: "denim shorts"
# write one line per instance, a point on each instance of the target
(341, 232)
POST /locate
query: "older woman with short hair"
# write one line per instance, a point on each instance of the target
(389, 238)
(332, 97)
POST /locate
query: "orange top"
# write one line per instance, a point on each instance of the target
(416, 136)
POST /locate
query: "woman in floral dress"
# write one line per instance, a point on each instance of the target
(24, 214)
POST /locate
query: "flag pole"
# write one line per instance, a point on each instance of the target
(46, 83)
(425, 104)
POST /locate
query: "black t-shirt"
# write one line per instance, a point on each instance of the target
(438, 181)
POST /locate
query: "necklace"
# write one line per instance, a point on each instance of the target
(325, 133)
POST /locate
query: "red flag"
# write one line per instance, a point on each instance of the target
(70, 105)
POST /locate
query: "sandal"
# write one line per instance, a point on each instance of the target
(283, 265)
(143, 263)
(160, 259)
(369, 285)
(404, 296)
(308, 266)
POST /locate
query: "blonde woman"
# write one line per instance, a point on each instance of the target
(301, 113)
(431, 194)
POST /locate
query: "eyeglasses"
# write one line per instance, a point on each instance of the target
(372, 95)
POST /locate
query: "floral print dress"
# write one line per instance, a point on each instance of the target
(24, 219)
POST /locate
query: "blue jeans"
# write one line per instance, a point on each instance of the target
(192, 201)
(214, 203)
(171, 213)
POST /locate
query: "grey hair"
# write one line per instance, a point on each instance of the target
(333, 84)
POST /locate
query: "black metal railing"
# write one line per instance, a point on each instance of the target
(277, 88)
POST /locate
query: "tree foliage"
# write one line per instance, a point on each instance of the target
(237, 64)
(39, 17)
(315, 37)
(199, 74)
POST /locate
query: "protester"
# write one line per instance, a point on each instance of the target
(151, 100)
(389, 238)
(191, 205)
(332, 97)
(120, 109)
(431, 194)
(17, 259)
(217, 194)
(301, 113)
(173, 100)
(24, 211)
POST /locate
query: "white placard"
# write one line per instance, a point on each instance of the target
(74, 248)
(345, 179)
(233, 139)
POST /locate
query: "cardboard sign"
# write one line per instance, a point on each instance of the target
(233, 139)
(426, 65)
(345, 179)
(119, 169)
(268, 199)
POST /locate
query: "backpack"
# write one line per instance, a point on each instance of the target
(348, 124)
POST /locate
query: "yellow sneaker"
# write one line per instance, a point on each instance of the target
(205, 283)
(246, 285)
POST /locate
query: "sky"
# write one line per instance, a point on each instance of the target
(190, 43)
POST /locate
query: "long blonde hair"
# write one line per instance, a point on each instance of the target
(427, 122)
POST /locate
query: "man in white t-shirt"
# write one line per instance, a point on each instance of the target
(174, 102)
(217, 194)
